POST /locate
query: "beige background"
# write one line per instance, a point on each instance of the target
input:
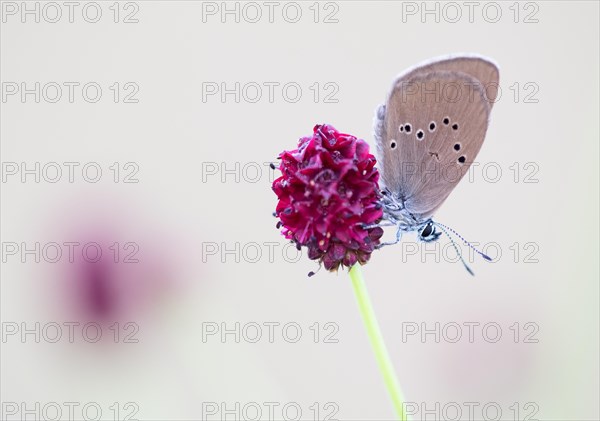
(171, 134)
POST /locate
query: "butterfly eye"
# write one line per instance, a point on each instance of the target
(429, 233)
(432, 126)
(393, 144)
(462, 159)
(446, 121)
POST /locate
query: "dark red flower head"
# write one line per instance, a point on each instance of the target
(327, 193)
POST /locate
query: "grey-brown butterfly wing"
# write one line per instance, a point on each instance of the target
(430, 130)
(481, 68)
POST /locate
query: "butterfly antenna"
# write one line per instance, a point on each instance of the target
(458, 252)
(485, 256)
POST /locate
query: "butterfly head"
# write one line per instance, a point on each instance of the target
(428, 233)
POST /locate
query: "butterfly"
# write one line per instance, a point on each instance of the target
(427, 134)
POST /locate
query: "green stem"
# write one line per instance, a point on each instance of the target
(381, 355)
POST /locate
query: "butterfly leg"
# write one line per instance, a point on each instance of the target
(391, 243)
(379, 225)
